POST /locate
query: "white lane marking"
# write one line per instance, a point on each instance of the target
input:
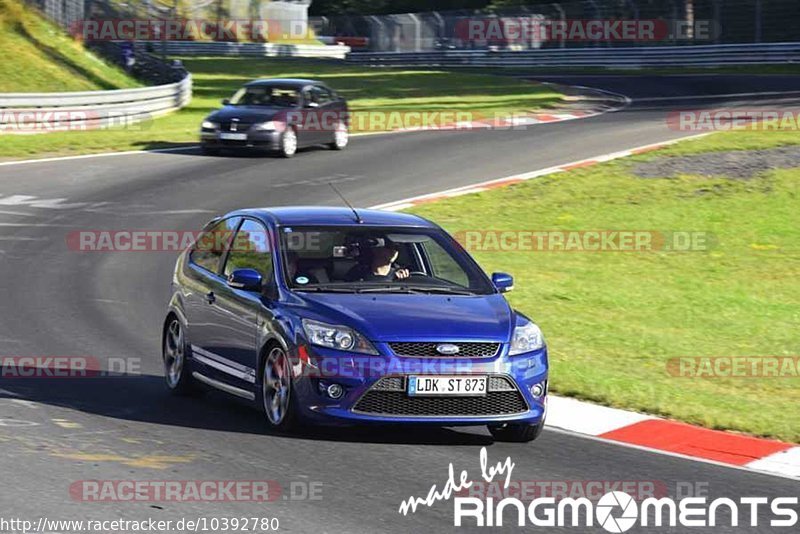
(16, 238)
(35, 202)
(26, 403)
(101, 155)
(35, 225)
(17, 423)
(784, 463)
(412, 201)
(9, 393)
(17, 213)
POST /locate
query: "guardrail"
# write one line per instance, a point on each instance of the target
(633, 58)
(41, 112)
(217, 48)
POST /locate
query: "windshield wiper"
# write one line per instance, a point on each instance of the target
(440, 289)
(326, 289)
(386, 289)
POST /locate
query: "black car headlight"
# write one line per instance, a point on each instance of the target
(336, 337)
(209, 125)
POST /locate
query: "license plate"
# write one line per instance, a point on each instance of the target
(233, 136)
(455, 386)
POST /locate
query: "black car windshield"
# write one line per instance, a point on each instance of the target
(274, 96)
(378, 260)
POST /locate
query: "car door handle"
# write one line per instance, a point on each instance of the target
(211, 298)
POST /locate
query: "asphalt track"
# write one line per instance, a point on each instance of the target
(60, 302)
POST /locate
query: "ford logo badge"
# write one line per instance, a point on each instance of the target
(447, 349)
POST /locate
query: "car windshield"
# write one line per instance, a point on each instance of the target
(378, 260)
(267, 95)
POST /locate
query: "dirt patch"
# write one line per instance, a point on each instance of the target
(736, 164)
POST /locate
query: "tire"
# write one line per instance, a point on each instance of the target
(341, 137)
(516, 433)
(174, 352)
(277, 392)
(288, 146)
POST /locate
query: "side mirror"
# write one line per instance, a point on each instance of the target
(245, 279)
(503, 282)
(226, 101)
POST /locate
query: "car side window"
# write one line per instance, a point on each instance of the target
(251, 250)
(321, 95)
(213, 243)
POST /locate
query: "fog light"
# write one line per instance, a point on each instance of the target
(537, 390)
(335, 391)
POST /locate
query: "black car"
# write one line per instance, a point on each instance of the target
(279, 115)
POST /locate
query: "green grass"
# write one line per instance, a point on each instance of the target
(367, 89)
(36, 56)
(614, 319)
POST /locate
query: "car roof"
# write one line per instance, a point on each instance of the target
(293, 82)
(325, 216)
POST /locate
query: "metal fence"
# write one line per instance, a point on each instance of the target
(632, 58)
(90, 109)
(212, 48)
(680, 22)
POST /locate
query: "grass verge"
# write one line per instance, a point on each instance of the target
(367, 89)
(36, 56)
(614, 320)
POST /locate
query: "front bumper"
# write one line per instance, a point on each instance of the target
(368, 400)
(253, 139)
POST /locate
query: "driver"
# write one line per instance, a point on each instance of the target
(380, 267)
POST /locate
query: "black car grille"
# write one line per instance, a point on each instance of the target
(428, 350)
(240, 126)
(388, 397)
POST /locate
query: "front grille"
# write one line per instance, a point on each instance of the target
(428, 350)
(240, 126)
(388, 397)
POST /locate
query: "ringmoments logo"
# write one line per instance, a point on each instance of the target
(615, 511)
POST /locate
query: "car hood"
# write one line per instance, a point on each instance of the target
(246, 113)
(389, 317)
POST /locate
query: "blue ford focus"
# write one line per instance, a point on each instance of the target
(332, 316)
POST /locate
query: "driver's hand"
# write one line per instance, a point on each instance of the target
(400, 274)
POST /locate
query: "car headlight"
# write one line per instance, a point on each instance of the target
(336, 337)
(209, 125)
(527, 338)
(269, 126)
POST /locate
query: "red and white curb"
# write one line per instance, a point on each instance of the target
(517, 178)
(672, 437)
(632, 428)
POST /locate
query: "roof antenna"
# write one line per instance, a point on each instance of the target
(358, 217)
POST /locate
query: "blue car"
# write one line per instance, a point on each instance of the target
(342, 316)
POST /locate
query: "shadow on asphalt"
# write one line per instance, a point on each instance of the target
(145, 399)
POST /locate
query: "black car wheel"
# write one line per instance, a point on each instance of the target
(276, 390)
(174, 354)
(518, 433)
